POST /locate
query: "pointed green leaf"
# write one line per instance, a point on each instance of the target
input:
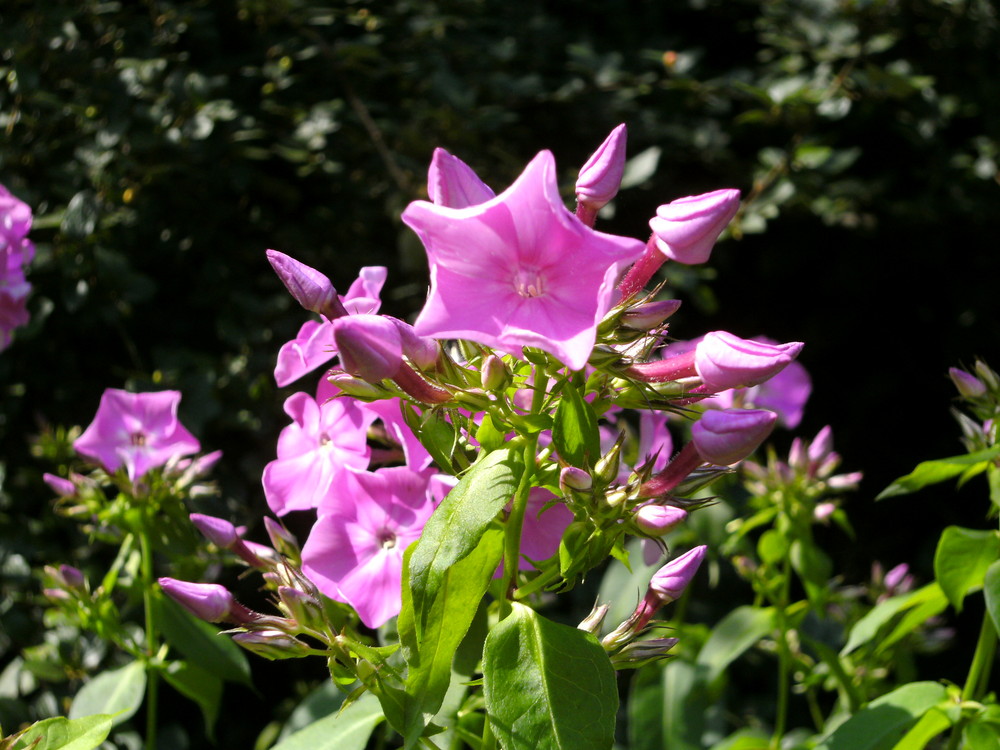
(347, 730)
(201, 686)
(58, 733)
(961, 560)
(735, 633)
(991, 590)
(456, 527)
(118, 692)
(886, 720)
(937, 720)
(864, 630)
(548, 686)
(202, 643)
(574, 431)
(932, 472)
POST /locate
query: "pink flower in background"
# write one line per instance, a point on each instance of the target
(139, 431)
(543, 527)
(16, 252)
(452, 183)
(519, 269)
(323, 441)
(726, 436)
(785, 394)
(314, 344)
(354, 553)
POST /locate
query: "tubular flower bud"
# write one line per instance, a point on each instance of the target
(494, 373)
(282, 539)
(309, 287)
(573, 479)
(207, 601)
(669, 582)
(649, 315)
(968, 385)
(272, 644)
(592, 622)
(370, 346)
(420, 350)
(601, 176)
(726, 436)
(725, 361)
(218, 531)
(657, 520)
(686, 229)
(59, 485)
(452, 183)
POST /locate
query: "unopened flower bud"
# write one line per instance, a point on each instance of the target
(726, 436)
(309, 287)
(207, 601)
(606, 468)
(494, 373)
(369, 346)
(686, 229)
(282, 539)
(573, 479)
(637, 653)
(356, 387)
(218, 531)
(601, 176)
(657, 520)
(649, 315)
(422, 351)
(452, 183)
(725, 361)
(272, 644)
(592, 622)
(987, 375)
(968, 385)
(823, 511)
(669, 582)
(62, 487)
(822, 445)
(300, 606)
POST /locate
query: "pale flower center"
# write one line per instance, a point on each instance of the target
(386, 539)
(529, 282)
(138, 438)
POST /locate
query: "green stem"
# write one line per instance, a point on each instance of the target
(152, 646)
(781, 711)
(489, 739)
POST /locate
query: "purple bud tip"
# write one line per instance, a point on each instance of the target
(573, 478)
(72, 577)
(670, 581)
(207, 601)
(968, 385)
(726, 436)
(601, 176)
(657, 520)
(686, 229)
(218, 531)
(725, 361)
(821, 445)
(649, 315)
(309, 287)
(62, 487)
(370, 346)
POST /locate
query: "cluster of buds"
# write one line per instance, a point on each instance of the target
(980, 394)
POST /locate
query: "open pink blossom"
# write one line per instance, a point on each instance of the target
(354, 553)
(519, 269)
(315, 451)
(314, 345)
(139, 431)
(452, 183)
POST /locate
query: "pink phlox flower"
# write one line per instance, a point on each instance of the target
(389, 411)
(543, 527)
(314, 346)
(452, 183)
(654, 439)
(354, 553)
(315, 451)
(16, 252)
(139, 431)
(519, 269)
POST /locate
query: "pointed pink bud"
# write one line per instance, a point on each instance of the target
(218, 531)
(821, 445)
(968, 385)
(309, 287)
(283, 540)
(452, 183)
(725, 361)
(657, 520)
(206, 601)
(686, 229)
(726, 436)
(420, 350)
(670, 581)
(59, 485)
(370, 346)
(601, 176)
(649, 315)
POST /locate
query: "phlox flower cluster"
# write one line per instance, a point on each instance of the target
(16, 252)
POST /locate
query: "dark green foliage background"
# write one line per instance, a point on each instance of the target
(165, 145)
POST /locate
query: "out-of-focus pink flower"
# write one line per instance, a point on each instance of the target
(543, 527)
(314, 452)
(669, 582)
(16, 252)
(354, 553)
(601, 176)
(724, 361)
(139, 431)
(519, 269)
(452, 183)
(313, 346)
(726, 436)
(390, 412)
(686, 229)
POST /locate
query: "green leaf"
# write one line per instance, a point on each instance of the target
(865, 629)
(932, 472)
(548, 685)
(118, 693)
(201, 686)
(202, 644)
(981, 737)
(574, 431)
(58, 733)
(886, 720)
(745, 739)
(961, 560)
(347, 730)
(686, 705)
(456, 527)
(735, 633)
(429, 658)
(487, 434)
(930, 725)
(991, 591)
